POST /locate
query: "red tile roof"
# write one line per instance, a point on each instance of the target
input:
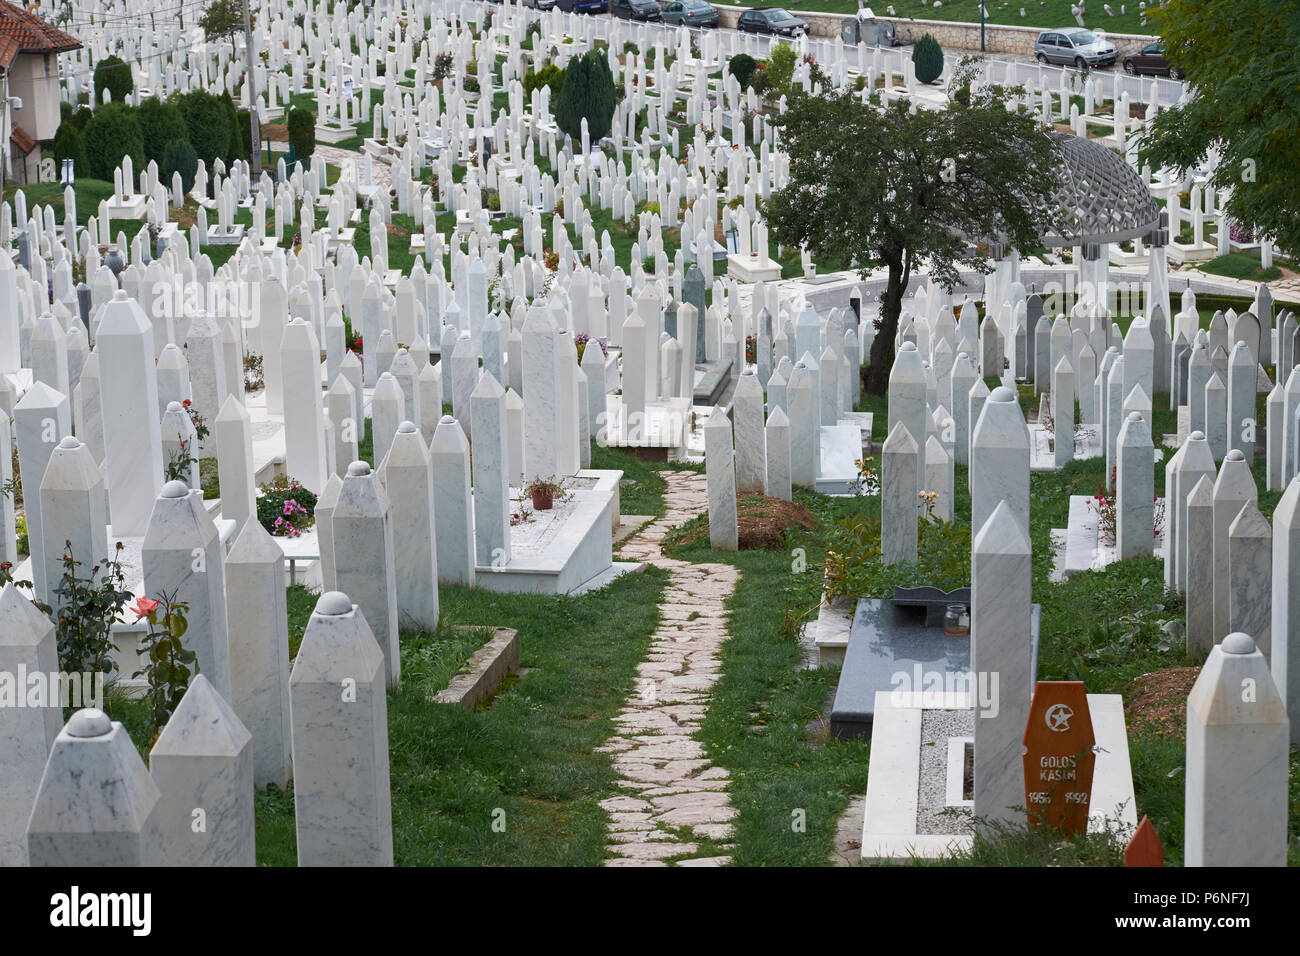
(20, 142)
(32, 34)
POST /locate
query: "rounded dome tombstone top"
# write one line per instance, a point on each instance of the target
(175, 489)
(1101, 198)
(1003, 394)
(358, 469)
(1236, 454)
(407, 427)
(333, 603)
(1238, 643)
(89, 723)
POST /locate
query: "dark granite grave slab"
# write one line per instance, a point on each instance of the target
(713, 385)
(892, 647)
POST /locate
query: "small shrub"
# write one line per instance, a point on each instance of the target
(168, 664)
(442, 64)
(742, 67)
(254, 381)
(69, 145)
(179, 157)
(302, 132)
(927, 57)
(114, 75)
(781, 61)
(86, 612)
(112, 133)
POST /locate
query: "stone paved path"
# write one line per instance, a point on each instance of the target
(672, 795)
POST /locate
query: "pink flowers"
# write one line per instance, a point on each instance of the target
(286, 526)
(143, 607)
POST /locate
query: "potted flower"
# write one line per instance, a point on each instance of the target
(544, 491)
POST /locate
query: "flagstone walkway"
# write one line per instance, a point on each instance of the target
(672, 794)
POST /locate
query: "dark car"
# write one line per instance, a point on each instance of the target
(773, 21)
(1074, 47)
(1151, 61)
(582, 6)
(634, 9)
(693, 13)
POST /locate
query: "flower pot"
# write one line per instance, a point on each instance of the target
(543, 500)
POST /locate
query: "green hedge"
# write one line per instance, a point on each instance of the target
(113, 74)
(112, 133)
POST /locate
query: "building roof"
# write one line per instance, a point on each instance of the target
(20, 142)
(23, 32)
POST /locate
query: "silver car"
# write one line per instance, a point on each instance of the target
(539, 4)
(1075, 46)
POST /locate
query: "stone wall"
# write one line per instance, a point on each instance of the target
(951, 36)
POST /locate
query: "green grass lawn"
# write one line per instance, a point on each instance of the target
(1241, 265)
(1050, 14)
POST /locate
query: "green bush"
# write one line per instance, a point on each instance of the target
(244, 123)
(742, 67)
(81, 116)
(854, 567)
(114, 75)
(160, 123)
(588, 91)
(68, 145)
(234, 142)
(302, 132)
(179, 157)
(781, 60)
(112, 133)
(928, 59)
(207, 124)
(277, 515)
(549, 75)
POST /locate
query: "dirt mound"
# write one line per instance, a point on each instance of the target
(764, 521)
(1157, 702)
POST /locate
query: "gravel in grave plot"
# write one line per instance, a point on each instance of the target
(933, 816)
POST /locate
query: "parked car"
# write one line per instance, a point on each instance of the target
(773, 21)
(1151, 60)
(583, 6)
(634, 9)
(693, 13)
(1075, 46)
(540, 4)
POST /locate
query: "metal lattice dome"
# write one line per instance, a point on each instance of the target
(1101, 198)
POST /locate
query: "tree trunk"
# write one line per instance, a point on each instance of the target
(882, 350)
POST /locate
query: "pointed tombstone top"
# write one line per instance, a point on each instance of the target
(778, 419)
(1063, 367)
(255, 545)
(340, 386)
(1250, 523)
(980, 390)
(1001, 534)
(350, 360)
(900, 441)
(934, 451)
(203, 725)
(122, 316)
(329, 493)
(1145, 849)
(24, 625)
(40, 395)
(1287, 513)
(487, 388)
(776, 379)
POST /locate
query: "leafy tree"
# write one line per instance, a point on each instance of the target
(742, 67)
(1241, 58)
(112, 133)
(68, 145)
(207, 123)
(179, 157)
(881, 185)
(81, 116)
(114, 75)
(222, 18)
(588, 91)
(235, 142)
(781, 60)
(927, 57)
(549, 75)
(160, 123)
(243, 124)
(302, 132)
